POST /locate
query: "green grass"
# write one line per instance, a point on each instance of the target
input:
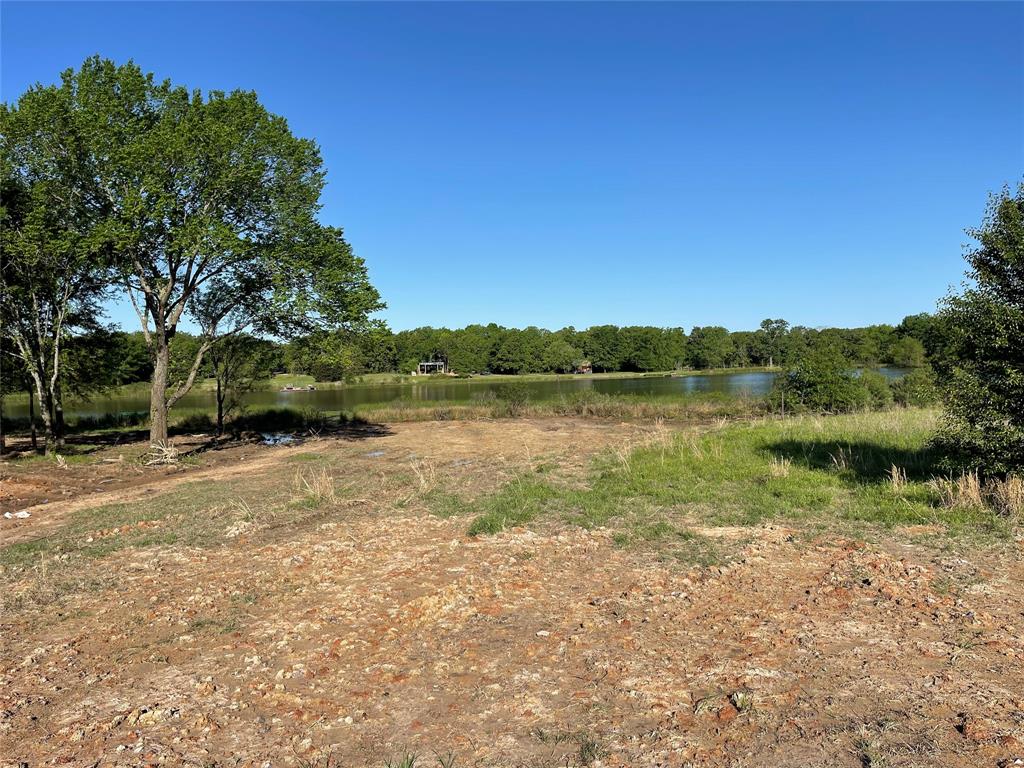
(585, 404)
(194, 514)
(187, 501)
(829, 471)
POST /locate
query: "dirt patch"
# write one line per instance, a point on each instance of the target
(376, 631)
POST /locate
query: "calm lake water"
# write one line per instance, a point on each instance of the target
(328, 398)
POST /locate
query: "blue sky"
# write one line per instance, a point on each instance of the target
(630, 163)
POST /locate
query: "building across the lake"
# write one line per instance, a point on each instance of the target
(429, 367)
(584, 366)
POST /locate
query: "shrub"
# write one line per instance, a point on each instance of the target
(984, 396)
(515, 396)
(819, 382)
(917, 388)
(879, 391)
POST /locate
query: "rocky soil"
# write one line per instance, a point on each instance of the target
(372, 629)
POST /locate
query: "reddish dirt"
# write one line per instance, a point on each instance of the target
(373, 632)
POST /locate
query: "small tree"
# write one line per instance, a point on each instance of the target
(238, 362)
(820, 381)
(908, 352)
(52, 274)
(984, 396)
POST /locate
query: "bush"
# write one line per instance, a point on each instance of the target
(878, 387)
(514, 395)
(917, 388)
(984, 396)
(820, 382)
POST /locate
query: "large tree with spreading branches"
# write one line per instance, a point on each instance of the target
(206, 206)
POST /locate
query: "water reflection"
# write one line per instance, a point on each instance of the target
(329, 398)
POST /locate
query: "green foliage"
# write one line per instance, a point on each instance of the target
(984, 396)
(237, 363)
(52, 274)
(935, 334)
(908, 352)
(820, 382)
(710, 347)
(878, 387)
(917, 388)
(478, 348)
(770, 340)
(835, 469)
(202, 207)
(560, 356)
(514, 396)
(603, 346)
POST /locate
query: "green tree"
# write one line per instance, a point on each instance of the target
(821, 382)
(603, 346)
(774, 334)
(52, 275)
(934, 333)
(710, 347)
(209, 206)
(326, 356)
(377, 349)
(237, 363)
(984, 398)
(560, 356)
(907, 352)
(645, 348)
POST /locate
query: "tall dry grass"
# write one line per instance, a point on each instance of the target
(315, 486)
(969, 491)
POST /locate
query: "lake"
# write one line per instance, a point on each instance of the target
(328, 397)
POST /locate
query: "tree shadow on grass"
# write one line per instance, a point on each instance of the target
(273, 431)
(860, 461)
(252, 430)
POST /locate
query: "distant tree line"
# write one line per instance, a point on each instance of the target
(917, 341)
(119, 357)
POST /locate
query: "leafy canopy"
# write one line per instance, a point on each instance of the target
(984, 396)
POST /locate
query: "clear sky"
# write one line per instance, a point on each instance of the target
(629, 163)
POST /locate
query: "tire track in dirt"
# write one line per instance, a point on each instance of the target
(45, 517)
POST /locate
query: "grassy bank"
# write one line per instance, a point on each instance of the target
(585, 403)
(844, 472)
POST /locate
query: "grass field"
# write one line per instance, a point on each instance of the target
(846, 472)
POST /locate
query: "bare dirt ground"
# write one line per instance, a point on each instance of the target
(367, 629)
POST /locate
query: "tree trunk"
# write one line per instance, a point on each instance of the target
(32, 419)
(57, 397)
(158, 392)
(46, 414)
(220, 409)
(2, 445)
